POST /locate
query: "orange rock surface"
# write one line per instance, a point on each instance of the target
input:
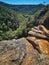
(44, 46)
(32, 50)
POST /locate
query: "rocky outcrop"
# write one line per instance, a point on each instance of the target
(32, 50)
(16, 52)
(39, 36)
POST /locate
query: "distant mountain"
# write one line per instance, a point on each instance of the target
(25, 9)
(17, 20)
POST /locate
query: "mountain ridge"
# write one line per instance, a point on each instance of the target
(17, 23)
(23, 8)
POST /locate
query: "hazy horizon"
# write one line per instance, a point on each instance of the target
(27, 2)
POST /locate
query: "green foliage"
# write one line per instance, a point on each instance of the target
(14, 24)
(9, 19)
(24, 9)
(38, 13)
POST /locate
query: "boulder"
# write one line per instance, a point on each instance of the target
(16, 52)
(38, 35)
(32, 50)
(39, 38)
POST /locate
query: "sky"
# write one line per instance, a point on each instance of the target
(26, 1)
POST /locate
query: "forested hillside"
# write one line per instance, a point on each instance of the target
(16, 20)
(24, 9)
(9, 21)
(42, 16)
